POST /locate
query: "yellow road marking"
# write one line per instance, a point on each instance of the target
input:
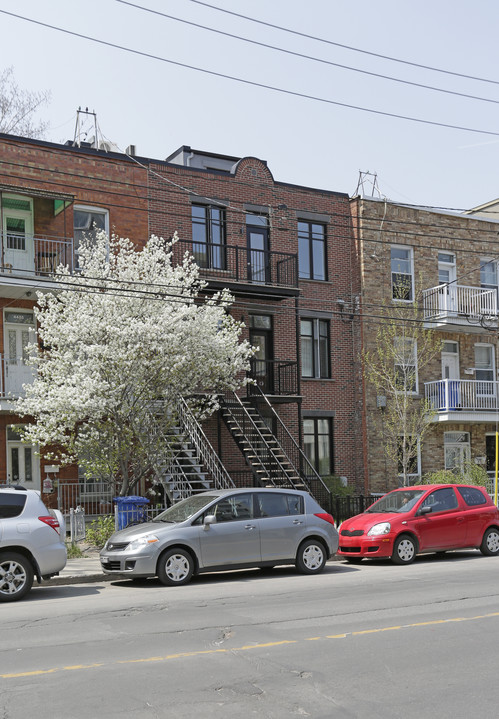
(248, 647)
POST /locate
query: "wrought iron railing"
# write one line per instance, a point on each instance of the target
(30, 255)
(241, 264)
(276, 377)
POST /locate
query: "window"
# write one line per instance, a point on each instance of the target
(402, 273)
(230, 509)
(406, 368)
(279, 505)
(472, 496)
(208, 236)
(414, 459)
(441, 500)
(315, 354)
(484, 370)
(318, 444)
(457, 449)
(488, 274)
(312, 251)
(88, 221)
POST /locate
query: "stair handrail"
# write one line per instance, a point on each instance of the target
(203, 446)
(262, 439)
(303, 457)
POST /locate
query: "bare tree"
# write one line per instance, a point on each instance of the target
(18, 107)
(404, 347)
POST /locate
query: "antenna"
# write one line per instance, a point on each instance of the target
(370, 179)
(79, 131)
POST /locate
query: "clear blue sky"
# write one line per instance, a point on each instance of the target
(159, 106)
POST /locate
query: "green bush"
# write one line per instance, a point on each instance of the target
(74, 551)
(337, 489)
(99, 530)
(471, 473)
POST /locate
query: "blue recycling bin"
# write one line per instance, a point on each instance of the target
(131, 510)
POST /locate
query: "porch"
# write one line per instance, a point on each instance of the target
(452, 306)
(463, 400)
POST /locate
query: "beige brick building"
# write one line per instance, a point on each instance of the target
(449, 261)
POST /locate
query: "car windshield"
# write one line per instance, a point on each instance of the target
(397, 501)
(186, 508)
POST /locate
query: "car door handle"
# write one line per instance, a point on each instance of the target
(297, 521)
(249, 526)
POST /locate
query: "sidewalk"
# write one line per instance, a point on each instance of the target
(77, 571)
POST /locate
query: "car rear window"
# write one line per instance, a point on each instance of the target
(11, 505)
(472, 496)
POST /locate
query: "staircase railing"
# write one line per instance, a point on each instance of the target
(263, 456)
(210, 459)
(296, 456)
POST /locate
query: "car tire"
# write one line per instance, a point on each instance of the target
(490, 542)
(404, 549)
(16, 576)
(175, 567)
(311, 557)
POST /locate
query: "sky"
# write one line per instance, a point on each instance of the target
(159, 106)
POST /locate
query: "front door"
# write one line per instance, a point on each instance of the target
(257, 234)
(19, 332)
(18, 253)
(447, 283)
(22, 465)
(450, 392)
(260, 336)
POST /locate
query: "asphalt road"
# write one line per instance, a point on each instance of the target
(370, 641)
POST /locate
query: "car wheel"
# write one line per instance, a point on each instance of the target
(353, 560)
(16, 576)
(175, 567)
(311, 557)
(404, 550)
(490, 542)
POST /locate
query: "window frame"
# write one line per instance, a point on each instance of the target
(311, 240)
(318, 371)
(416, 457)
(212, 249)
(316, 460)
(396, 284)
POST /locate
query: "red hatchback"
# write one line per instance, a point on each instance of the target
(426, 518)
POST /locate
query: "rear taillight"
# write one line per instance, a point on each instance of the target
(326, 517)
(51, 521)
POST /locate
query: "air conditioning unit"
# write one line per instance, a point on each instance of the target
(108, 146)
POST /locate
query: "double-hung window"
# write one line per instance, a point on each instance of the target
(406, 365)
(88, 222)
(402, 267)
(208, 236)
(318, 444)
(315, 348)
(412, 459)
(311, 250)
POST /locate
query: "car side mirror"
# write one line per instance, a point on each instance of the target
(425, 510)
(209, 519)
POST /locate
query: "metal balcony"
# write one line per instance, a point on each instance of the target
(463, 400)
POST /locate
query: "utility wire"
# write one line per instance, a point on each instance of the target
(346, 47)
(303, 56)
(253, 83)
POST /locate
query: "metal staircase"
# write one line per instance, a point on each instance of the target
(192, 465)
(275, 459)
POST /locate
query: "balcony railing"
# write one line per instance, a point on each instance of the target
(26, 255)
(458, 395)
(241, 264)
(454, 301)
(276, 377)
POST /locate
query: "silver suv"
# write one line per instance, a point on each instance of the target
(225, 529)
(31, 541)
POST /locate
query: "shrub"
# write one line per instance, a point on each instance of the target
(336, 487)
(100, 530)
(471, 473)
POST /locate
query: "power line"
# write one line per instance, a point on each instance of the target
(303, 56)
(346, 47)
(253, 83)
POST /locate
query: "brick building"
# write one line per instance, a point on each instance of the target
(285, 252)
(453, 259)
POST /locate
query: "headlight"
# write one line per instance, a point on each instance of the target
(381, 528)
(142, 542)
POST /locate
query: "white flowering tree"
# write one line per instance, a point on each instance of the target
(119, 341)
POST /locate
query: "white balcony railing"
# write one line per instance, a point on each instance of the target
(453, 301)
(27, 255)
(457, 395)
